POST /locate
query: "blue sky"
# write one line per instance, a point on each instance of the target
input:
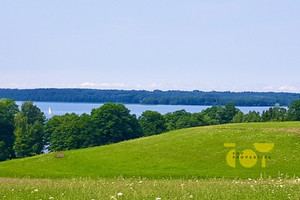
(151, 44)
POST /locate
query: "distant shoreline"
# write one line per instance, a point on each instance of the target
(131, 103)
(156, 97)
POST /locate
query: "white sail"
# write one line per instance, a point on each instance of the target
(49, 112)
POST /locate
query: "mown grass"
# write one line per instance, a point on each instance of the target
(137, 188)
(195, 152)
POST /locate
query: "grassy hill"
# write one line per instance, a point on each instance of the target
(193, 152)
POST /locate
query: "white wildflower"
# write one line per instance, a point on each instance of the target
(120, 194)
(157, 198)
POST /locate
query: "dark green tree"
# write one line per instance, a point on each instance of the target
(216, 114)
(228, 112)
(182, 119)
(238, 118)
(69, 131)
(113, 123)
(8, 110)
(252, 116)
(199, 119)
(294, 111)
(274, 114)
(29, 132)
(177, 120)
(152, 123)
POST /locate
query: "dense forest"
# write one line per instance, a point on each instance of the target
(26, 132)
(155, 97)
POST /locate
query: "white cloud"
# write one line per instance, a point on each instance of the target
(88, 84)
(102, 85)
(283, 88)
(288, 88)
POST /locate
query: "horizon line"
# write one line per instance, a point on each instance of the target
(115, 89)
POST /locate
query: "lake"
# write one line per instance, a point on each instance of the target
(61, 108)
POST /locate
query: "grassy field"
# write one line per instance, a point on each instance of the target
(195, 152)
(182, 164)
(134, 188)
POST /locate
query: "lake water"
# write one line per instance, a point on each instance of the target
(61, 108)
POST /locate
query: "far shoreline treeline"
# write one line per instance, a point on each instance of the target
(171, 97)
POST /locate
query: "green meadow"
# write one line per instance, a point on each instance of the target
(194, 152)
(181, 164)
(152, 189)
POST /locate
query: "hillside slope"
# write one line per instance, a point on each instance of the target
(189, 152)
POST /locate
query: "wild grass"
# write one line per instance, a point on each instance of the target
(142, 188)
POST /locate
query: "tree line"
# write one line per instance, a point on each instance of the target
(26, 132)
(147, 97)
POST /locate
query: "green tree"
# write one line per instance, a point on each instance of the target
(113, 123)
(69, 131)
(238, 118)
(177, 120)
(199, 119)
(152, 123)
(216, 114)
(8, 110)
(252, 116)
(182, 119)
(274, 114)
(228, 112)
(29, 132)
(294, 111)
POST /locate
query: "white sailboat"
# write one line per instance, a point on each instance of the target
(49, 112)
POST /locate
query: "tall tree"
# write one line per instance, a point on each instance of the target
(152, 123)
(29, 132)
(178, 119)
(238, 118)
(69, 131)
(229, 112)
(274, 114)
(252, 116)
(216, 114)
(113, 123)
(294, 111)
(8, 110)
